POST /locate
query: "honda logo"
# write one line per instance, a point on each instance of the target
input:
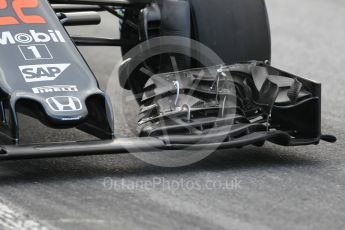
(64, 104)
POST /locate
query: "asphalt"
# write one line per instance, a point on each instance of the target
(254, 188)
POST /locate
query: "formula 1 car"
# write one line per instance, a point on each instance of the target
(238, 101)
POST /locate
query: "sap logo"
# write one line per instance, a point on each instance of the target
(64, 104)
(46, 72)
(32, 36)
(55, 88)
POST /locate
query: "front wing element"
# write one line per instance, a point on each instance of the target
(134, 145)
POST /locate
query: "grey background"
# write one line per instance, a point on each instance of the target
(280, 188)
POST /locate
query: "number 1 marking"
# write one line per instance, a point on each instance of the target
(35, 52)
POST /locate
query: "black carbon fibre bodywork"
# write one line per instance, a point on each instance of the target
(43, 75)
(42, 70)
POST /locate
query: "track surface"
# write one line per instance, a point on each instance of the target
(272, 187)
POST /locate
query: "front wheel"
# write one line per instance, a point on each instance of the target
(236, 30)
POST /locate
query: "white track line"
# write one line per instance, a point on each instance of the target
(14, 220)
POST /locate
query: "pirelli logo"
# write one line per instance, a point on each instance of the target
(55, 88)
